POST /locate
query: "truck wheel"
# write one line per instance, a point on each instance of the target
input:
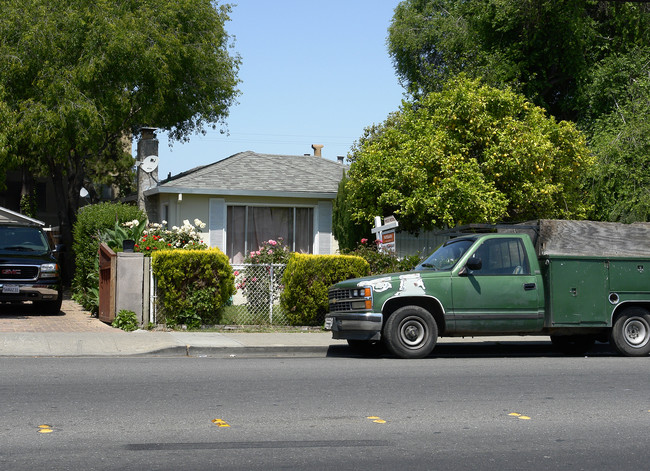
(411, 332)
(631, 332)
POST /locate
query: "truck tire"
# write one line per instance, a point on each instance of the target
(631, 332)
(411, 332)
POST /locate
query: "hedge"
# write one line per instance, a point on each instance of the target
(91, 221)
(306, 280)
(193, 285)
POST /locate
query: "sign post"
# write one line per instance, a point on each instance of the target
(385, 233)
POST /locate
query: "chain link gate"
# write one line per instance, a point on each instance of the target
(257, 299)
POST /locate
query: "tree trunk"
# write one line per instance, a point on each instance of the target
(67, 185)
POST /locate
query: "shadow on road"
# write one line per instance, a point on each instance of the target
(496, 349)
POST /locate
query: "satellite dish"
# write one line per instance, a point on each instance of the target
(150, 163)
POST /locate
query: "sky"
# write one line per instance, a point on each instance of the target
(312, 73)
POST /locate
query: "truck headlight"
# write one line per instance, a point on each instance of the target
(49, 270)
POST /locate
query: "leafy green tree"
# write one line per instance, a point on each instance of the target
(346, 230)
(81, 76)
(618, 110)
(468, 154)
(6, 124)
(543, 49)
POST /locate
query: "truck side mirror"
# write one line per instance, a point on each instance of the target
(474, 263)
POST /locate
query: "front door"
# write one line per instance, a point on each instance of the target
(501, 296)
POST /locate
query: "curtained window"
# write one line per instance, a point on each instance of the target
(248, 227)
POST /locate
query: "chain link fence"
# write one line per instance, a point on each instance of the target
(257, 299)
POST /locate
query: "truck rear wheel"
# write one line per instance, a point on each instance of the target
(411, 332)
(631, 332)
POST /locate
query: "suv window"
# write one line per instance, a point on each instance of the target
(22, 239)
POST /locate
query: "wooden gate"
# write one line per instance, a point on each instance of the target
(107, 269)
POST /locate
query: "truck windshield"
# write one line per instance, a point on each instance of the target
(16, 239)
(446, 256)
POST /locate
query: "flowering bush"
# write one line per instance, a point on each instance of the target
(271, 251)
(156, 237)
(261, 291)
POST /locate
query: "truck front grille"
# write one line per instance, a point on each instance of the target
(347, 299)
(18, 272)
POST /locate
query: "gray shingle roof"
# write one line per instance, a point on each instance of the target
(250, 171)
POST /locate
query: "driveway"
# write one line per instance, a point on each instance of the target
(72, 318)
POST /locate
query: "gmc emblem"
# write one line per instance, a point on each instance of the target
(10, 271)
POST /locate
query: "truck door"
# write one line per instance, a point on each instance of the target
(500, 296)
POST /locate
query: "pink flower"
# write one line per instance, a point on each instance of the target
(270, 252)
(363, 241)
(272, 242)
(377, 241)
(236, 273)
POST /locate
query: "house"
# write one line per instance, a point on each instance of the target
(8, 216)
(249, 198)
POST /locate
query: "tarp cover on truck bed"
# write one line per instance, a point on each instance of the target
(586, 238)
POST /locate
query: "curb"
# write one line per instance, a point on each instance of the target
(238, 352)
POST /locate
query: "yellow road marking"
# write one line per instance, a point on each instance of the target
(375, 419)
(220, 423)
(519, 416)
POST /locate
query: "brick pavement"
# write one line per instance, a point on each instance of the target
(72, 318)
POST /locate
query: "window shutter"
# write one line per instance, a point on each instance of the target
(324, 227)
(217, 223)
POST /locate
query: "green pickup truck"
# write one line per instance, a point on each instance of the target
(575, 281)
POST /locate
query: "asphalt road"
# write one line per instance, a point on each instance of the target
(455, 412)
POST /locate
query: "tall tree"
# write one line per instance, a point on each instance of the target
(544, 49)
(617, 106)
(468, 154)
(80, 76)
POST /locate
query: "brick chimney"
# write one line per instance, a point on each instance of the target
(317, 149)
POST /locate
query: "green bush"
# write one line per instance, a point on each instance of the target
(306, 280)
(193, 285)
(381, 262)
(126, 320)
(91, 222)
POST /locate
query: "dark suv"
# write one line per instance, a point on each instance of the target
(29, 270)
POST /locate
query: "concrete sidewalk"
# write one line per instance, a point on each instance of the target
(74, 332)
(164, 343)
(226, 345)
